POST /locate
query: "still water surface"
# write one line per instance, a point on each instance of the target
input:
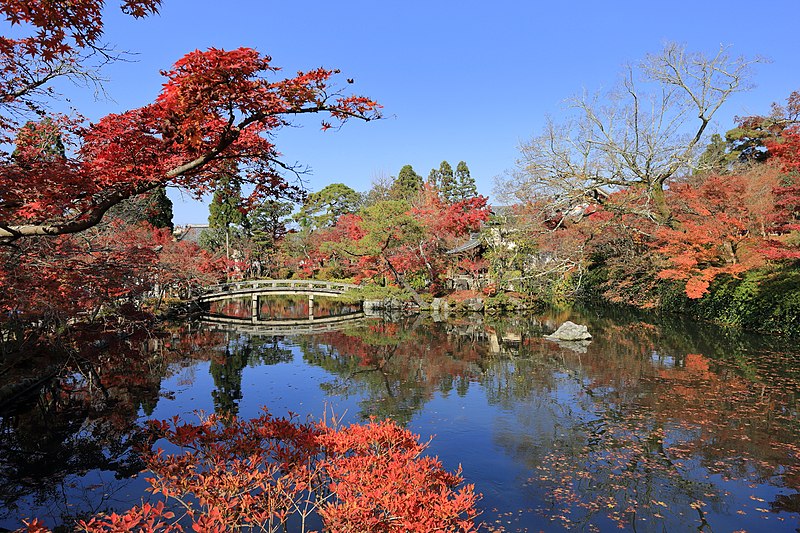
(656, 425)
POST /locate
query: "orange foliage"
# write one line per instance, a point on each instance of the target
(258, 473)
(715, 233)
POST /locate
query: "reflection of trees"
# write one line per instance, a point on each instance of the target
(287, 307)
(227, 368)
(396, 368)
(65, 412)
(70, 412)
(641, 425)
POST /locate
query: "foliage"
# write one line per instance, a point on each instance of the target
(465, 183)
(375, 292)
(409, 244)
(110, 266)
(211, 128)
(267, 472)
(407, 184)
(447, 181)
(713, 236)
(226, 207)
(323, 208)
(786, 215)
(216, 106)
(153, 207)
(766, 300)
(753, 136)
(267, 223)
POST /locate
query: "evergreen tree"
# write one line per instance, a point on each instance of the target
(226, 205)
(267, 222)
(407, 184)
(715, 159)
(153, 207)
(465, 183)
(226, 220)
(447, 181)
(434, 178)
(323, 208)
(227, 377)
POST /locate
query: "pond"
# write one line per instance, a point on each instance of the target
(655, 425)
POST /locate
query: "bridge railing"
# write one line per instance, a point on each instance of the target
(306, 285)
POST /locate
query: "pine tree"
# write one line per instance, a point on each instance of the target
(407, 184)
(268, 222)
(226, 219)
(323, 208)
(465, 183)
(434, 178)
(447, 181)
(225, 209)
(715, 159)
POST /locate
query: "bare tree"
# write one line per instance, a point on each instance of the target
(639, 135)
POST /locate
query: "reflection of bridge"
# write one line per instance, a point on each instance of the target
(282, 327)
(274, 287)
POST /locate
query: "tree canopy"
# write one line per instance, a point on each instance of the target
(216, 106)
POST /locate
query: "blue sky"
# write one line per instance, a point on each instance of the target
(458, 80)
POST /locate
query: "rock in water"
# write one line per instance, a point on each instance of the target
(569, 331)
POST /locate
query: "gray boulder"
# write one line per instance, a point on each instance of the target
(474, 304)
(569, 331)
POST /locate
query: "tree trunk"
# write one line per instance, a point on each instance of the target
(402, 282)
(663, 214)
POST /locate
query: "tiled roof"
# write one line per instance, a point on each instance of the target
(189, 232)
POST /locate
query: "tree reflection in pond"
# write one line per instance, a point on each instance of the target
(641, 429)
(651, 426)
(394, 368)
(227, 366)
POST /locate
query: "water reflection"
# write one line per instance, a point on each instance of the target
(271, 308)
(394, 368)
(227, 367)
(662, 425)
(649, 424)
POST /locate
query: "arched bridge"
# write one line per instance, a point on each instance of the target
(278, 287)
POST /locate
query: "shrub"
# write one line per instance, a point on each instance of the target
(260, 473)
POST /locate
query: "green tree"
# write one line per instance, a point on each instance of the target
(226, 220)
(434, 178)
(267, 222)
(407, 184)
(715, 159)
(227, 377)
(267, 230)
(323, 208)
(226, 205)
(465, 183)
(390, 235)
(447, 181)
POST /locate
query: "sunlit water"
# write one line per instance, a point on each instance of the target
(653, 426)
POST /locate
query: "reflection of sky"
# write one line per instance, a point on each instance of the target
(501, 428)
(518, 409)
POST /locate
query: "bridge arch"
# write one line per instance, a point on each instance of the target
(276, 287)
